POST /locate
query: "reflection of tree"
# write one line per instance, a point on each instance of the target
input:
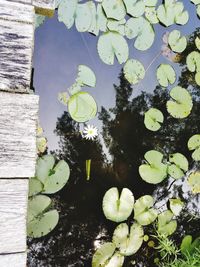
(127, 140)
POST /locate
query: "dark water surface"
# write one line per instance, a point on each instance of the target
(118, 150)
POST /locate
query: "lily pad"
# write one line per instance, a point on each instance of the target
(82, 107)
(134, 71)
(166, 75)
(166, 225)
(105, 256)
(181, 105)
(194, 144)
(135, 8)
(118, 208)
(197, 42)
(176, 206)
(144, 214)
(117, 25)
(179, 165)
(177, 42)
(67, 12)
(193, 61)
(153, 119)
(111, 44)
(194, 182)
(151, 15)
(128, 242)
(35, 187)
(142, 30)
(154, 171)
(37, 205)
(197, 78)
(99, 20)
(86, 76)
(114, 9)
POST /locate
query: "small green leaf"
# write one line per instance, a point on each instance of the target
(142, 30)
(82, 107)
(153, 119)
(67, 12)
(83, 17)
(37, 205)
(111, 44)
(128, 242)
(86, 76)
(35, 187)
(118, 208)
(114, 9)
(197, 42)
(177, 42)
(194, 182)
(181, 105)
(151, 15)
(176, 206)
(186, 245)
(144, 214)
(135, 8)
(116, 25)
(43, 166)
(179, 165)
(134, 71)
(197, 78)
(154, 171)
(166, 225)
(194, 144)
(165, 75)
(193, 61)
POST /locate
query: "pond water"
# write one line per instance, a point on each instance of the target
(119, 149)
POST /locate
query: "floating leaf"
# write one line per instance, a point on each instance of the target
(117, 26)
(194, 144)
(114, 9)
(154, 171)
(165, 75)
(105, 256)
(43, 166)
(135, 8)
(176, 206)
(82, 107)
(166, 225)
(67, 12)
(153, 119)
(118, 208)
(111, 44)
(134, 71)
(197, 78)
(177, 42)
(37, 205)
(99, 20)
(144, 214)
(142, 30)
(86, 76)
(151, 15)
(35, 187)
(179, 166)
(83, 16)
(151, 2)
(128, 242)
(194, 182)
(193, 61)
(181, 105)
(197, 42)
(43, 225)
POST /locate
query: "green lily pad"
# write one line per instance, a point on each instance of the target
(35, 187)
(197, 78)
(151, 15)
(82, 107)
(135, 8)
(116, 26)
(114, 9)
(43, 167)
(144, 214)
(105, 256)
(193, 61)
(177, 42)
(165, 75)
(43, 225)
(197, 42)
(118, 208)
(86, 76)
(134, 71)
(154, 171)
(37, 205)
(150, 3)
(181, 105)
(67, 12)
(111, 44)
(194, 144)
(194, 182)
(176, 206)
(179, 165)
(128, 242)
(142, 30)
(153, 119)
(166, 225)
(99, 20)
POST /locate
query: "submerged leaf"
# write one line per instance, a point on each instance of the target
(153, 119)
(134, 71)
(117, 207)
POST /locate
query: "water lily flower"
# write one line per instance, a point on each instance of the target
(90, 132)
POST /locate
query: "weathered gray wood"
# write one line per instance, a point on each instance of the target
(16, 46)
(13, 213)
(18, 116)
(13, 260)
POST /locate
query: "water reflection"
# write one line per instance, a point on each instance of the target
(82, 226)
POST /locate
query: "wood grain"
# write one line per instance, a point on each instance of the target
(16, 46)
(13, 260)
(18, 116)
(13, 213)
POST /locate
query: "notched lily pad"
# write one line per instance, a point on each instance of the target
(114, 9)
(194, 144)
(194, 182)
(153, 119)
(166, 224)
(165, 75)
(134, 71)
(179, 165)
(177, 42)
(176, 206)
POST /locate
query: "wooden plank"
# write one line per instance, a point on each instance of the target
(13, 260)
(16, 46)
(13, 213)
(18, 116)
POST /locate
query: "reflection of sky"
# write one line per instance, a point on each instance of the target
(59, 51)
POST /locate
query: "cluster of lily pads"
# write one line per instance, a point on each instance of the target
(49, 179)
(127, 240)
